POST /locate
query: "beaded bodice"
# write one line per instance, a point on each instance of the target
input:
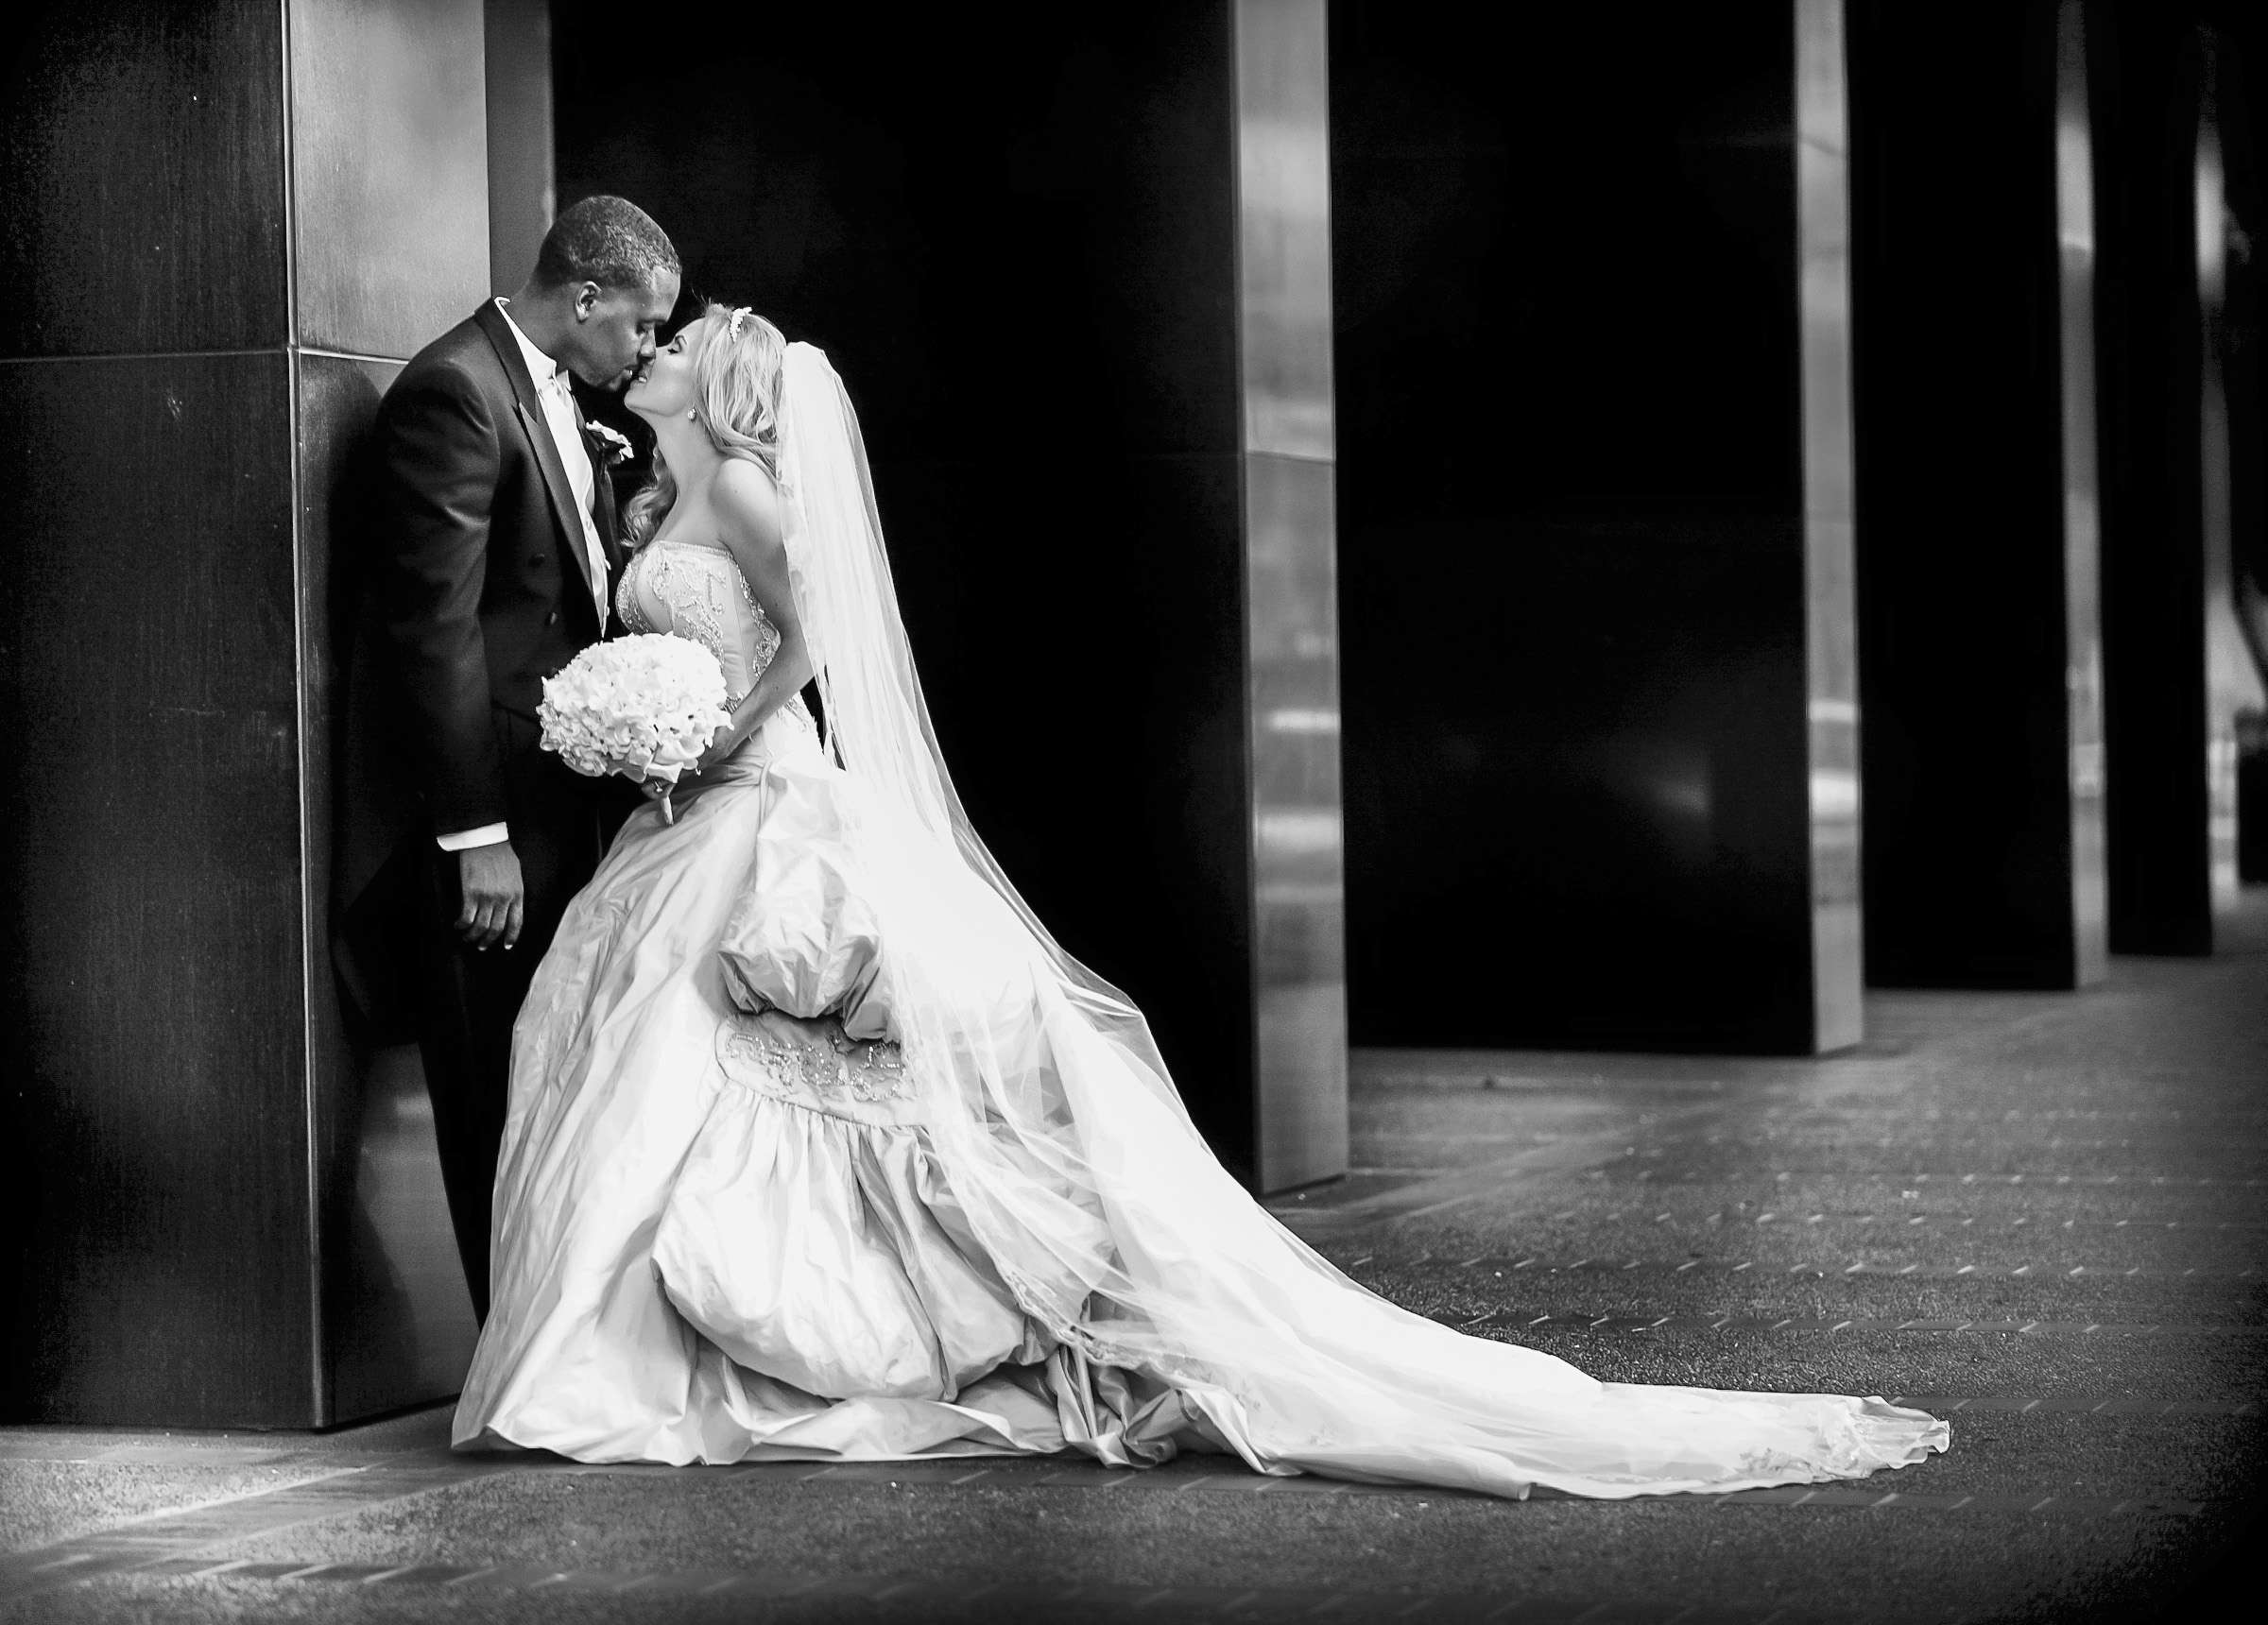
(698, 591)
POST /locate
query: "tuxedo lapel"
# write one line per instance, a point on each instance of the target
(610, 537)
(602, 485)
(529, 405)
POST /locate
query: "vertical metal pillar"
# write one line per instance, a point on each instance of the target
(235, 223)
(2232, 681)
(523, 195)
(1289, 456)
(388, 215)
(2176, 665)
(1601, 713)
(2082, 503)
(1831, 675)
(1980, 637)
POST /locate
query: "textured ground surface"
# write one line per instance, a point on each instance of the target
(2042, 1214)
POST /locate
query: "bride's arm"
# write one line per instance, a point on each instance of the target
(748, 507)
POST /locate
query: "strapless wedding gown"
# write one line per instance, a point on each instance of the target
(725, 1230)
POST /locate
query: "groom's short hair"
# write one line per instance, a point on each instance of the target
(606, 240)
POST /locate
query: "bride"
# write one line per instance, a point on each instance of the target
(821, 1148)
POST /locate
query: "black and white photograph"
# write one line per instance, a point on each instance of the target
(1215, 811)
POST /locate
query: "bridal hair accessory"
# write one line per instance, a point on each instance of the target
(739, 316)
(644, 707)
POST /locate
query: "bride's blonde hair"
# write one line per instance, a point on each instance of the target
(736, 399)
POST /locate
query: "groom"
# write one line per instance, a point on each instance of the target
(488, 559)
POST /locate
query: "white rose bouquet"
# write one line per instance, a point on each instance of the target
(644, 707)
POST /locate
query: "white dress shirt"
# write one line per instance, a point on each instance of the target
(559, 417)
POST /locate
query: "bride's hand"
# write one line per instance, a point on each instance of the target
(720, 748)
(693, 780)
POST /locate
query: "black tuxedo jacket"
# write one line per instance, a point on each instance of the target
(473, 588)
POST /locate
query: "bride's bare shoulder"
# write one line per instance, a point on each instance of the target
(747, 501)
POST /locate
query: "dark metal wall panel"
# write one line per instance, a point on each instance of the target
(2155, 811)
(225, 1216)
(390, 172)
(1579, 619)
(1980, 645)
(521, 195)
(396, 1326)
(152, 914)
(2172, 670)
(150, 924)
(390, 211)
(141, 158)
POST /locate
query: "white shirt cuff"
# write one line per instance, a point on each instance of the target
(486, 835)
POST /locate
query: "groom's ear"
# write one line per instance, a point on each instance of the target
(586, 299)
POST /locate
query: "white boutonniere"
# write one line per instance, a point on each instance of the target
(613, 443)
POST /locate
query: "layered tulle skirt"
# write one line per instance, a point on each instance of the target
(735, 1221)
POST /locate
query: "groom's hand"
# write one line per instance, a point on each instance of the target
(494, 900)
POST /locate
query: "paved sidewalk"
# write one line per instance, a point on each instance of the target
(2039, 1213)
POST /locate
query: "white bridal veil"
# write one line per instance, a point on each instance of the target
(1183, 1309)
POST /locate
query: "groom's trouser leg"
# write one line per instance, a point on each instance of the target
(466, 1040)
(470, 998)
